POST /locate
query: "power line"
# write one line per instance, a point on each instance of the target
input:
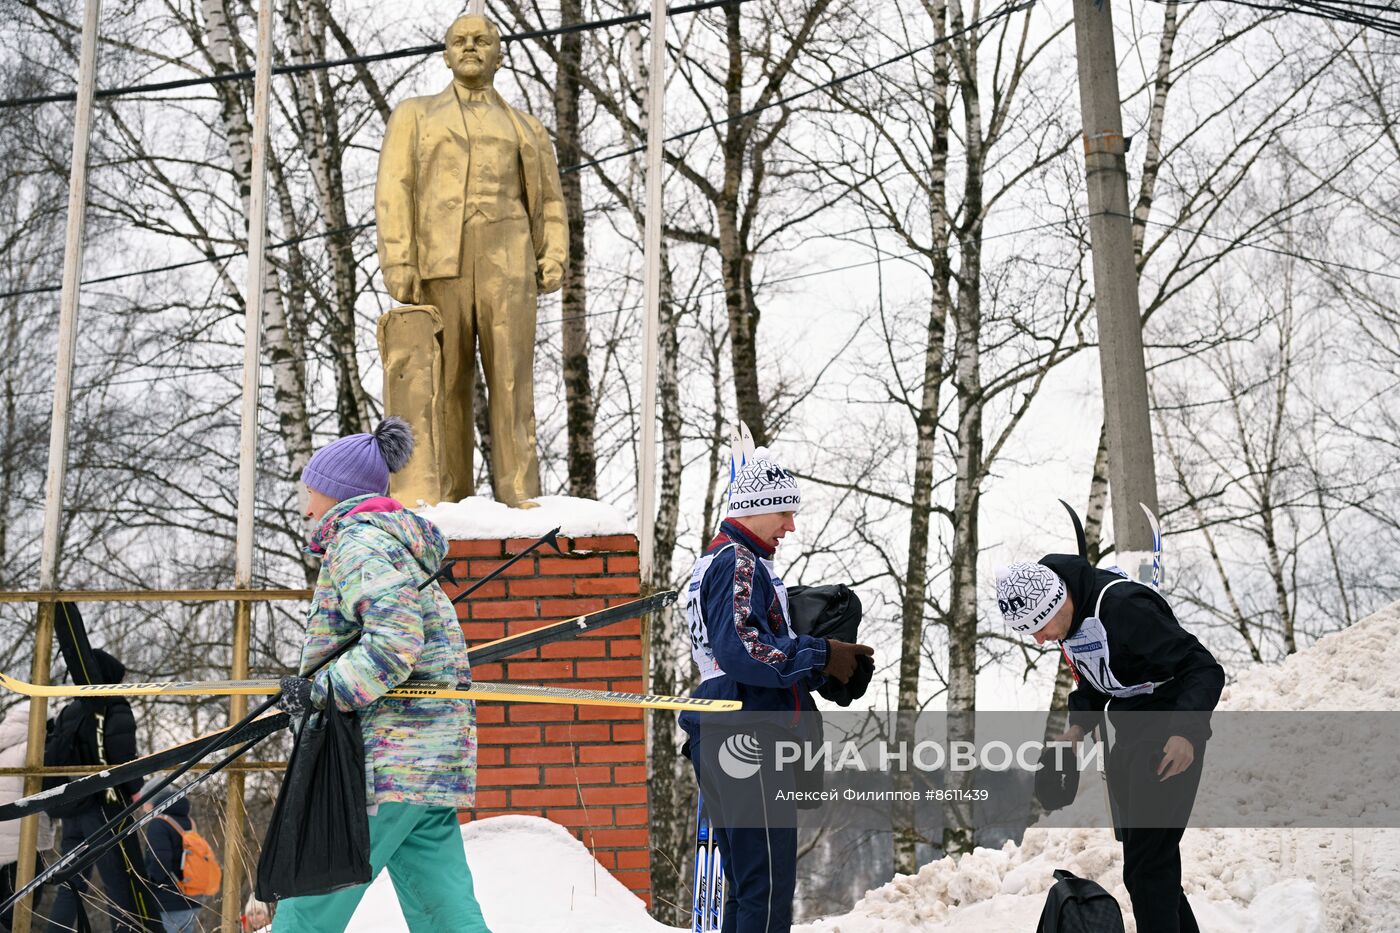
(304, 67)
(1356, 14)
(708, 293)
(1267, 248)
(798, 276)
(356, 228)
(214, 258)
(783, 101)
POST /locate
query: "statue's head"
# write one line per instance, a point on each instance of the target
(473, 50)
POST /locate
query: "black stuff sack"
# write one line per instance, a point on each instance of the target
(1077, 905)
(318, 839)
(832, 611)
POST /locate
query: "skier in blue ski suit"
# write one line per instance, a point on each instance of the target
(744, 645)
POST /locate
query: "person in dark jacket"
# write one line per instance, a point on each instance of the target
(165, 855)
(102, 730)
(1131, 657)
(744, 645)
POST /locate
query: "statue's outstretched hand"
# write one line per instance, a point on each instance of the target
(403, 284)
(549, 276)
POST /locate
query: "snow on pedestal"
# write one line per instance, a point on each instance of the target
(479, 517)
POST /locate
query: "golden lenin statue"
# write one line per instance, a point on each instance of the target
(471, 229)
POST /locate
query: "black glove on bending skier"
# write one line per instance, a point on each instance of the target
(296, 696)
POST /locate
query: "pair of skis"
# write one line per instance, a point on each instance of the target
(432, 689)
(708, 891)
(1082, 541)
(82, 856)
(488, 653)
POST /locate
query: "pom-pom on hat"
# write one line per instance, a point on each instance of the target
(761, 486)
(360, 464)
(1029, 595)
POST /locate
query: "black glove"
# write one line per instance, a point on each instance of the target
(296, 696)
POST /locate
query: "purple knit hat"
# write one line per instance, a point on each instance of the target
(360, 464)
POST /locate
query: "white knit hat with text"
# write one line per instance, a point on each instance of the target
(1029, 595)
(760, 486)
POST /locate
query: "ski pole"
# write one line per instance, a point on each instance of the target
(549, 537)
(444, 572)
(80, 859)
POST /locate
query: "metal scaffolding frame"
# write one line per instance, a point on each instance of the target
(242, 594)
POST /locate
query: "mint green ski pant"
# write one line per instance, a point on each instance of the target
(422, 848)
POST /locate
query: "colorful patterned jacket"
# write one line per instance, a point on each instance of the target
(375, 553)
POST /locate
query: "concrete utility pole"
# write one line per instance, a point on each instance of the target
(1132, 475)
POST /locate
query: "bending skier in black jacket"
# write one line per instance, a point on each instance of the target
(1130, 656)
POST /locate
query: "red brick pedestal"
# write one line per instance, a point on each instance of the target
(583, 767)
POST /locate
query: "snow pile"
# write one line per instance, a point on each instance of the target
(531, 876)
(1339, 672)
(1265, 880)
(478, 517)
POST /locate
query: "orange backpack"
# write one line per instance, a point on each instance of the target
(199, 869)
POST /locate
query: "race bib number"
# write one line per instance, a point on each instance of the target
(1088, 651)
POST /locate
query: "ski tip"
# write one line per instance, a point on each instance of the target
(746, 438)
(1080, 540)
(552, 539)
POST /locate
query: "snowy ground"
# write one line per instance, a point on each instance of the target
(533, 876)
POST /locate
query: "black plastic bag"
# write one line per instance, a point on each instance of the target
(318, 839)
(832, 611)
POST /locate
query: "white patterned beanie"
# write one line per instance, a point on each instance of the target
(1029, 595)
(761, 487)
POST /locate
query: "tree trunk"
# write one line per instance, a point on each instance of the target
(578, 385)
(672, 793)
(743, 317)
(1152, 161)
(912, 614)
(318, 114)
(967, 483)
(1098, 500)
(287, 366)
(481, 415)
(714, 495)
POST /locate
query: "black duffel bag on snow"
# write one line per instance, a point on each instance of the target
(832, 611)
(1077, 905)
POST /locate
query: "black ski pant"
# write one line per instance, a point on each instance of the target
(757, 837)
(1151, 816)
(121, 884)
